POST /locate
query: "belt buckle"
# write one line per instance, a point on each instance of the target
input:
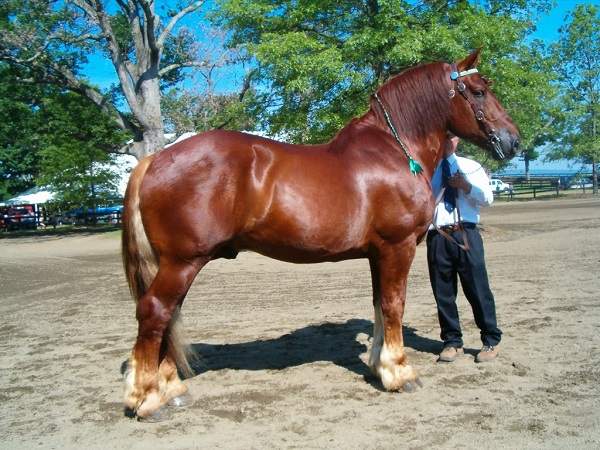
(450, 228)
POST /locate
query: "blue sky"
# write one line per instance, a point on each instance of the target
(548, 25)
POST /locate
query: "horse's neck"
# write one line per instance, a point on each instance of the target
(430, 151)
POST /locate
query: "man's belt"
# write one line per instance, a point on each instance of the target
(457, 226)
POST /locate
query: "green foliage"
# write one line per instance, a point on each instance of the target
(321, 60)
(54, 138)
(578, 58)
(74, 161)
(27, 27)
(18, 145)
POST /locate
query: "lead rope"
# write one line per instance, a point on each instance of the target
(413, 165)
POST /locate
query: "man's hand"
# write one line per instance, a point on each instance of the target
(458, 181)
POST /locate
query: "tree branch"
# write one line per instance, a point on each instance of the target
(132, 11)
(247, 83)
(194, 6)
(98, 15)
(149, 27)
(127, 7)
(95, 97)
(173, 67)
(86, 8)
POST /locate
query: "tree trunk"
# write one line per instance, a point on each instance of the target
(153, 134)
(594, 151)
(154, 140)
(527, 176)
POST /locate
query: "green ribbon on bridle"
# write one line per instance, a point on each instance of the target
(414, 166)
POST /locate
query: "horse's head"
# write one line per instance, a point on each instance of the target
(476, 115)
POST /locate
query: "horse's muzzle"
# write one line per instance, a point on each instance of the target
(504, 144)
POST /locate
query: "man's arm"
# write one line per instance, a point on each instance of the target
(480, 193)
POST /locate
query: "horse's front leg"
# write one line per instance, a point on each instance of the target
(389, 271)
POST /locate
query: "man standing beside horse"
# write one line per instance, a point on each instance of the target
(454, 247)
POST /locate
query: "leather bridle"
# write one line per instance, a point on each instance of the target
(484, 124)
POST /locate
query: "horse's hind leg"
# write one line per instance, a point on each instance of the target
(173, 359)
(377, 341)
(388, 360)
(154, 313)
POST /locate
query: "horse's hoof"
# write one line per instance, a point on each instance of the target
(181, 400)
(412, 386)
(152, 408)
(159, 415)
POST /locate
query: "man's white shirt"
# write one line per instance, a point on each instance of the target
(469, 204)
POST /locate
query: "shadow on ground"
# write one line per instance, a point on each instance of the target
(333, 342)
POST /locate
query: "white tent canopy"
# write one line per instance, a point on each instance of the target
(34, 196)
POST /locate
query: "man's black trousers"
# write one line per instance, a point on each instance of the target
(446, 260)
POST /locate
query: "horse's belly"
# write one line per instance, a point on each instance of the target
(296, 254)
(295, 242)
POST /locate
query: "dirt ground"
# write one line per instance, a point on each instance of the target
(284, 348)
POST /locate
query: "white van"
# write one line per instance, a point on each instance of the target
(499, 185)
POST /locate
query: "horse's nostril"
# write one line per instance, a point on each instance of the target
(516, 144)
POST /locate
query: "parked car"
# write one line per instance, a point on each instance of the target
(499, 185)
(17, 217)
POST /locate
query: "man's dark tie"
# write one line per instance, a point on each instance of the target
(450, 192)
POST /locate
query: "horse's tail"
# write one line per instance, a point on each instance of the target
(139, 259)
(141, 262)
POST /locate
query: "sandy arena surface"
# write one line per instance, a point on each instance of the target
(285, 347)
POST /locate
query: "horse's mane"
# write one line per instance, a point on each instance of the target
(416, 100)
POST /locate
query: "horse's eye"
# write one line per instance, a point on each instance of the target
(478, 93)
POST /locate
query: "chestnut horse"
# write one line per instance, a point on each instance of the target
(221, 192)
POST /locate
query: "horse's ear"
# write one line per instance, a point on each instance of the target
(470, 62)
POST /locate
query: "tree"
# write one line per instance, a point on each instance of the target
(52, 41)
(321, 60)
(190, 111)
(529, 90)
(578, 60)
(202, 108)
(19, 164)
(74, 162)
(56, 139)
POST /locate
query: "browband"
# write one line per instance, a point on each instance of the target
(455, 75)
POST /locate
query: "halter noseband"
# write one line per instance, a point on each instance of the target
(455, 76)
